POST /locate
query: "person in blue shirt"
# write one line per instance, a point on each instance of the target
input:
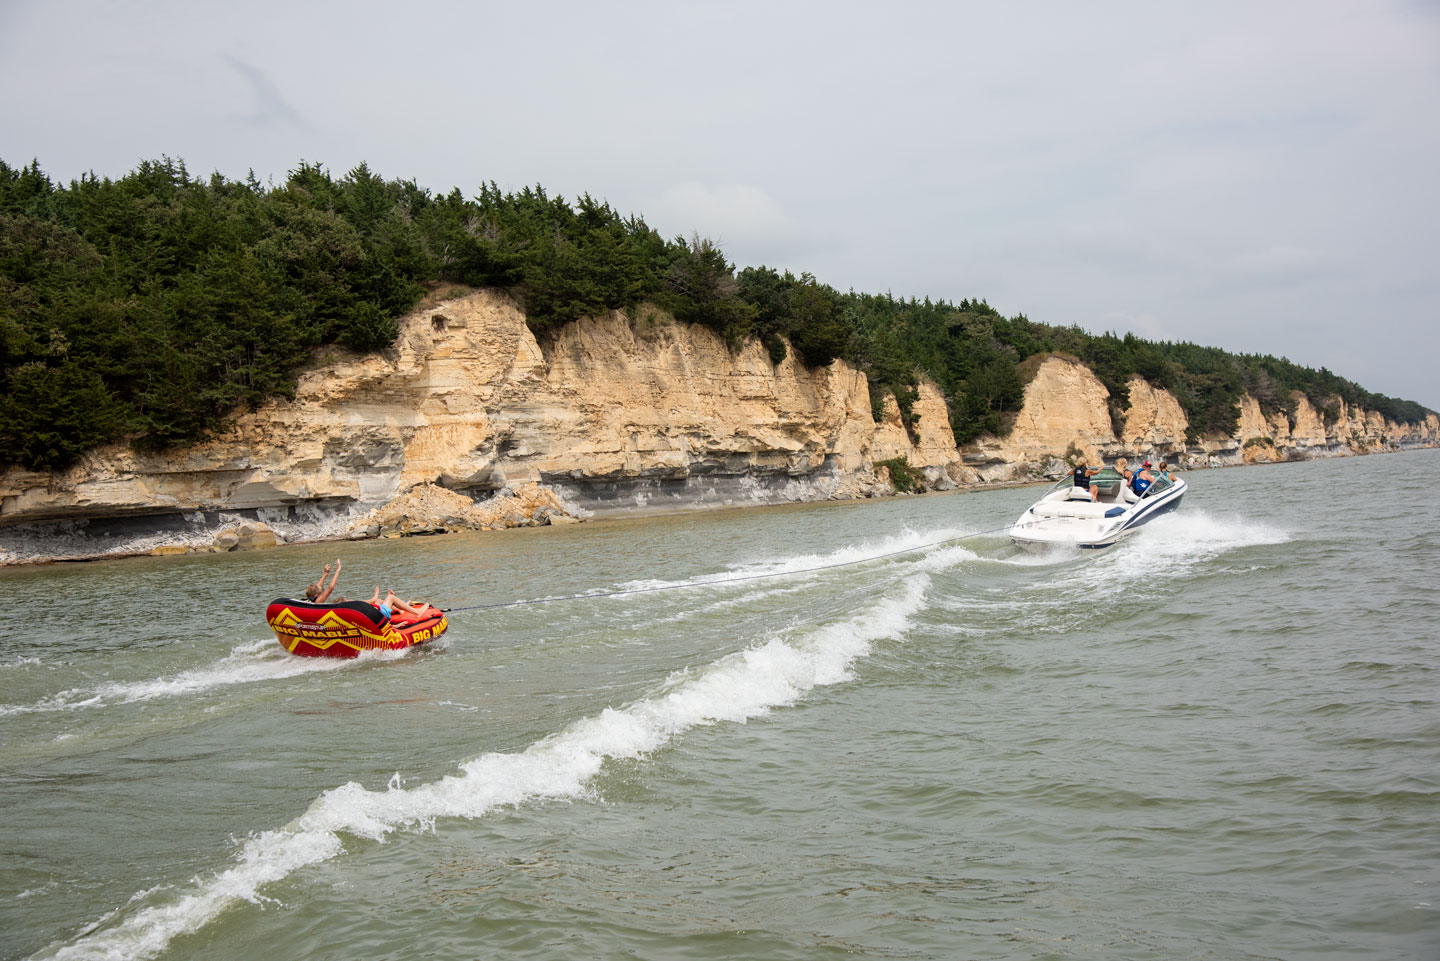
(1142, 480)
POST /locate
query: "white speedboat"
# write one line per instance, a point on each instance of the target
(1067, 517)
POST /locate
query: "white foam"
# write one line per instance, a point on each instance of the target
(906, 542)
(945, 557)
(1177, 542)
(245, 664)
(1168, 547)
(734, 689)
(45, 888)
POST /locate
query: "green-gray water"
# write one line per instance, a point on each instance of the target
(1219, 739)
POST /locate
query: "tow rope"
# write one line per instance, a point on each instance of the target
(728, 580)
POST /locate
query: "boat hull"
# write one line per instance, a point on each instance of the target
(1086, 526)
(348, 629)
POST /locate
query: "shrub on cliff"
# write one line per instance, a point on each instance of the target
(700, 288)
(904, 478)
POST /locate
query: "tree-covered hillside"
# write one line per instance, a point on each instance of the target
(152, 306)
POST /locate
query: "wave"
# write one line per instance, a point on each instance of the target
(734, 689)
(1169, 546)
(1200, 533)
(261, 661)
(905, 542)
(246, 664)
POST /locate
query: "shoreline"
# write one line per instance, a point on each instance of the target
(603, 515)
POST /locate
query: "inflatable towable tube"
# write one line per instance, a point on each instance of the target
(347, 628)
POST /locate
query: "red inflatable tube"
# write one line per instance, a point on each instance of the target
(346, 629)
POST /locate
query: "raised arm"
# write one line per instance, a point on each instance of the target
(325, 592)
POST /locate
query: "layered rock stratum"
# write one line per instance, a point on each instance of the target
(617, 413)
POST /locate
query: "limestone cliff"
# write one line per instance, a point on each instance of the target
(1066, 410)
(1155, 421)
(613, 412)
(609, 412)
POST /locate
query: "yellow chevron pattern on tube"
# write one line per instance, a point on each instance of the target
(333, 629)
(336, 633)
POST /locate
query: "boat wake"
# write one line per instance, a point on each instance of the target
(246, 664)
(1183, 539)
(1058, 590)
(908, 542)
(1179, 537)
(262, 661)
(738, 687)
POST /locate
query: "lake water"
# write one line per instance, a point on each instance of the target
(1218, 740)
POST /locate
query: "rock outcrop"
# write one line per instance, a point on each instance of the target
(613, 413)
(431, 509)
(1155, 421)
(1066, 412)
(245, 537)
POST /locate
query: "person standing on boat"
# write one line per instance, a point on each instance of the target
(317, 593)
(1082, 476)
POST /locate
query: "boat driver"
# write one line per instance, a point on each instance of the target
(1142, 480)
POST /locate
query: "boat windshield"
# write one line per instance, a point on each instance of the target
(1107, 479)
(1160, 484)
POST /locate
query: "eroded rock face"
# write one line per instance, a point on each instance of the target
(428, 508)
(1155, 421)
(250, 536)
(467, 399)
(1066, 409)
(621, 413)
(1308, 429)
(1066, 412)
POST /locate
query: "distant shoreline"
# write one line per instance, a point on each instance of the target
(629, 513)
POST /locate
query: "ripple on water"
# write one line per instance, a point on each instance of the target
(1213, 741)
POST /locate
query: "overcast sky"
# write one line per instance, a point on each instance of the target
(1254, 176)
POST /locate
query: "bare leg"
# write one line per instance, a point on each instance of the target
(399, 605)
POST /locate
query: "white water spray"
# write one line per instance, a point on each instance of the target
(736, 688)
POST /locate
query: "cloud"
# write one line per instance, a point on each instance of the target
(1210, 172)
(719, 210)
(1281, 265)
(271, 108)
(742, 218)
